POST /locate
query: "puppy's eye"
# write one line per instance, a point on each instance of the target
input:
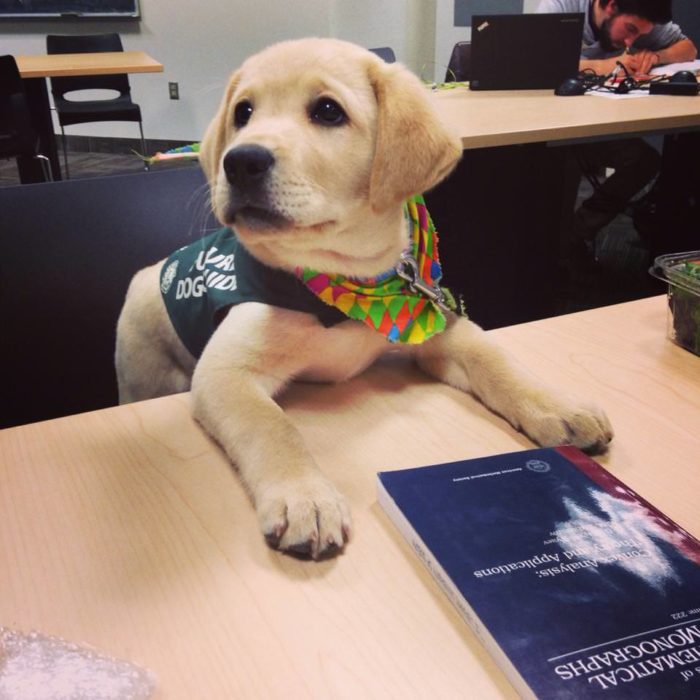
(328, 112)
(242, 114)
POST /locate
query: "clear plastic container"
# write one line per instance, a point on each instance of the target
(682, 272)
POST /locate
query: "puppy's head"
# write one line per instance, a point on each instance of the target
(315, 146)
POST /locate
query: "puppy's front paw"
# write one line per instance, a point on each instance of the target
(552, 420)
(305, 517)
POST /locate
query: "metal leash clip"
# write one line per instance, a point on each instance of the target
(407, 269)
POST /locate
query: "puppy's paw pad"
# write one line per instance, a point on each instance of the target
(589, 429)
(564, 423)
(302, 550)
(272, 515)
(309, 520)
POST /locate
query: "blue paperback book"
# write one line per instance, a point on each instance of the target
(575, 584)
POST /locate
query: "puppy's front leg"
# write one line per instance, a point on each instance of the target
(466, 358)
(250, 358)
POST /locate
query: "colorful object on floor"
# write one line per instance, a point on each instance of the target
(389, 303)
(190, 152)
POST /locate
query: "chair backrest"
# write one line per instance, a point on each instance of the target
(10, 79)
(386, 53)
(67, 254)
(11, 87)
(15, 118)
(8, 69)
(86, 43)
(459, 67)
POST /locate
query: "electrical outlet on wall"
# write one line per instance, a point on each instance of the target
(174, 89)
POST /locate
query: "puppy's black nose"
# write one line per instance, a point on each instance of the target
(247, 165)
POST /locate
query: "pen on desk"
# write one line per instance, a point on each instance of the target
(619, 65)
(615, 73)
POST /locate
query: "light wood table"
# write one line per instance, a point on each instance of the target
(98, 63)
(508, 117)
(35, 69)
(127, 529)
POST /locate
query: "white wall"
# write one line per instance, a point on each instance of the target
(446, 36)
(201, 43)
(408, 27)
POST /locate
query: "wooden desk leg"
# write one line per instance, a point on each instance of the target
(499, 217)
(38, 99)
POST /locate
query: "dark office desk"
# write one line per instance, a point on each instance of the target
(501, 212)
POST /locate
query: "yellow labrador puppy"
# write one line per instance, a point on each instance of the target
(314, 160)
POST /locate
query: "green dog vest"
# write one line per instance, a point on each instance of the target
(201, 281)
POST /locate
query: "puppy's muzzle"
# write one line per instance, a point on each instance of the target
(248, 170)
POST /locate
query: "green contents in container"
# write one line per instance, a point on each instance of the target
(685, 307)
(682, 272)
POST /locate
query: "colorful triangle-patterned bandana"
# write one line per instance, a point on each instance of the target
(404, 304)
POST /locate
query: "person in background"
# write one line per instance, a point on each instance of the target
(640, 35)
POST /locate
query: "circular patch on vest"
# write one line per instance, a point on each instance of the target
(168, 276)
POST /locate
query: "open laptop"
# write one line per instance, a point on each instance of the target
(524, 52)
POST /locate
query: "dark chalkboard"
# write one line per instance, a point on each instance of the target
(50, 9)
(464, 9)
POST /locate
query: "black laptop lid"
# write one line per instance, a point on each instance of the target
(524, 52)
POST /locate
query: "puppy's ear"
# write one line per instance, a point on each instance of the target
(217, 134)
(414, 149)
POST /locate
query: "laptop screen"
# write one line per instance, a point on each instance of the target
(524, 52)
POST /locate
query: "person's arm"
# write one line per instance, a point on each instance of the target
(605, 66)
(641, 62)
(680, 52)
(600, 66)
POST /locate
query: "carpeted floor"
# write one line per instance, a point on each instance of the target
(620, 273)
(84, 164)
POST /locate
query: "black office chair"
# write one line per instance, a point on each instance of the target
(385, 53)
(17, 136)
(120, 108)
(70, 251)
(459, 67)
